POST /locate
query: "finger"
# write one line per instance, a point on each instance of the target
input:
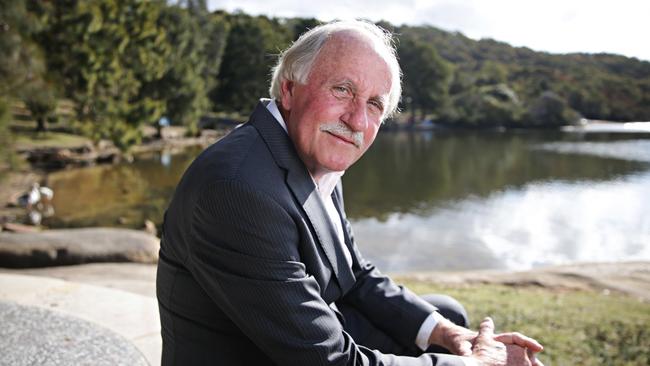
(533, 359)
(486, 328)
(465, 349)
(520, 340)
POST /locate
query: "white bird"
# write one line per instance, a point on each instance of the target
(31, 197)
(35, 217)
(35, 195)
(46, 194)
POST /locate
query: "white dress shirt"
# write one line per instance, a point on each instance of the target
(325, 187)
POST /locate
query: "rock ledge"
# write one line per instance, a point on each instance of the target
(76, 246)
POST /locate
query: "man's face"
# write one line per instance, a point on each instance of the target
(334, 117)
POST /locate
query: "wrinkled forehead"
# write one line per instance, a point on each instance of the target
(354, 40)
(354, 50)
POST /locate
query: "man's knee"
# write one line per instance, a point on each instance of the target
(449, 307)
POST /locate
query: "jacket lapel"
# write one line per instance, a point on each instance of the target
(304, 190)
(315, 210)
(337, 196)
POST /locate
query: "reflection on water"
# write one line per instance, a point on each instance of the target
(434, 201)
(408, 172)
(538, 224)
(120, 195)
(638, 150)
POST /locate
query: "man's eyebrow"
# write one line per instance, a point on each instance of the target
(349, 83)
(380, 99)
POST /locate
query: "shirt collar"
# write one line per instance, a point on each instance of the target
(273, 109)
(328, 181)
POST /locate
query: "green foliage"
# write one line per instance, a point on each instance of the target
(219, 28)
(251, 50)
(119, 132)
(126, 63)
(104, 52)
(492, 73)
(298, 26)
(598, 86)
(15, 52)
(550, 109)
(5, 138)
(22, 65)
(488, 105)
(41, 102)
(426, 76)
(182, 86)
(575, 327)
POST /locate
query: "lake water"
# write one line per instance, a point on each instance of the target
(438, 200)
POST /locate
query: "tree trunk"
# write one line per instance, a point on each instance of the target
(41, 124)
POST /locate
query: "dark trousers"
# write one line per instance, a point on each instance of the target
(365, 333)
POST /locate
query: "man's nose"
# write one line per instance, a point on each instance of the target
(356, 116)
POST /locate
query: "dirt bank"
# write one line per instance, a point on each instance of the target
(630, 278)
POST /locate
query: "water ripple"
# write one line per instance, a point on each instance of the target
(633, 150)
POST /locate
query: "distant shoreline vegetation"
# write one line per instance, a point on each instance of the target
(106, 69)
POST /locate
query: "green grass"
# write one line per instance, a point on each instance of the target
(31, 139)
(575, 327)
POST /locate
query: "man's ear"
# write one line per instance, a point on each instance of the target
(286, 90)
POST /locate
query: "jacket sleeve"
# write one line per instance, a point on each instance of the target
(244, 254)
(390, 307)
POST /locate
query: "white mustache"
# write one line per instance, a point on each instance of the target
(341, 129)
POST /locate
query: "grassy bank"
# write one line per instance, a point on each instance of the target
(24, 140)
(575, 327)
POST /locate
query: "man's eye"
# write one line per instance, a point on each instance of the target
(378, 106)
(340, 90)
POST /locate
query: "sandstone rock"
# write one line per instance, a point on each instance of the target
(20, 228)
(76, 246)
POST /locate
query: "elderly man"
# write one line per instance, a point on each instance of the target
(258, 265)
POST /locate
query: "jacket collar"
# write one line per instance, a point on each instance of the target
(304, 190)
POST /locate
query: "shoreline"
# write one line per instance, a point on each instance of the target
(624, 278)
(630, 278)
(40, 161)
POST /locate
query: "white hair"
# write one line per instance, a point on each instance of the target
(295, 63)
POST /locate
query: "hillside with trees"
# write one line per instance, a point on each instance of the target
(530, 86)
(123, 64)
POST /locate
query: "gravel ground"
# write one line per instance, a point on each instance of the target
(35, 336)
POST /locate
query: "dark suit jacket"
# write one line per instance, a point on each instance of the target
(250, 263)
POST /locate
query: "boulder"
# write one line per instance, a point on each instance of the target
(76, 246)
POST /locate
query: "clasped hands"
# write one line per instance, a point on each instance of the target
(485, 347)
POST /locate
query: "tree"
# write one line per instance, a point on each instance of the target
(492, 73)
(251, 49)
(41, 101)
(22, 66)
(16, 52)
(298, 26)
(490, 105)
(549, 109)
(196, 40)
(182, 86)
(104, 52)
(426, 77)
(599, 86)
(219, 29)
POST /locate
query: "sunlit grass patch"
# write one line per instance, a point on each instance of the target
(575, 327)
(26, 140)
